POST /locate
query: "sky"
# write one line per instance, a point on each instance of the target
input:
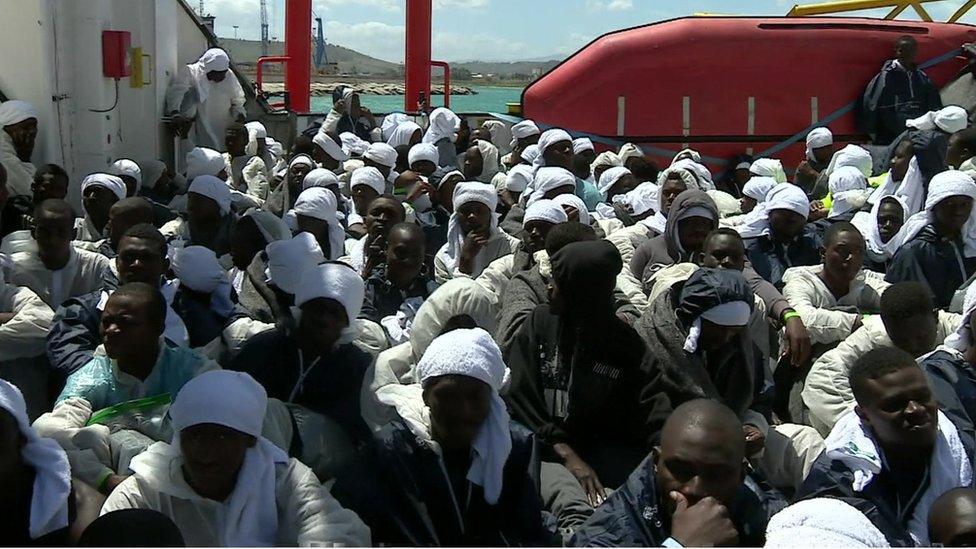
(496, 30)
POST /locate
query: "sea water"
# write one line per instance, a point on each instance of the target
(488, 99)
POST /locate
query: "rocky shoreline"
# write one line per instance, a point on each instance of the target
(324, 89)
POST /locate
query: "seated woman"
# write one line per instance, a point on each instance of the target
(473, 237)
(452, 468)
(882, 231)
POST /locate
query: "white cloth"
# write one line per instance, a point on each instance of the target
(423, 151)
(216, 104)
(20, 174)
(287, 259)
(214, 189)
(203, 161)
(335, 281)
(104, 180)
(524, 129)
(473, 353)
(529, 154)
(733, 313)
(319, 203)
(867, 223)
(501, 135)
(549, 178)
(758, 187)
(302, 160)
(331, 148)
(370, 177)
(817, 138)
(255, 132)
(546, 140)
(911, 189)
(629, 150)
(352, 144)
(124, 166)
(848, 190)
(609, 178)
(642, 199)
(822, 522)
(701, 174)
(84, 273)
(949, 119)
(214, 59)
(944, 185)
(465, 192)
(52, 472)
(689, 179)
(320, 177)
(443, 123)
(198, 269)
(575, 202)
(489, 161)
(768, 167)
(545, 210)
(390, 123)
(518, 178)
(784, 196)
(606, 159)
(960, 340)
(851, 155)
(852, 443)
(691, 154)
(402, 133)
(15, 111)
(581, 144)
(24, 335)
(382, 154)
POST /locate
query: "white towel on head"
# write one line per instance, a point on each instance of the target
(214, 59)
(214, 189)
(641, 200)
(473, 353)
(573, 201)
(464, 193)
(524, 129)
(758, 187)
(545, 210)
(106, 181)
(606, 160)
(370, 177)
(529, 154)
(320, 177)
(402, 133)
(336, 281)
(52, 472)
(944, 185)
(442, 123)
(822, 522)
(423, 151)
(817, 138)
(852, 443)
(382, 154)
(629, 150)
(489, 161)
(198, 269)
(784, 196)
(287, 259)
(352, 144)
(768, 167)
(609, 178)
(949, 119)
(302, 160)
(848, 191)
(852, 155)
(255, 132)
(867, 223)
(518, 178)
(501, 135)
(331, 148)
(546, 140)
(549, 178)
(390, 123)
(203, 161)
(319, 203)
(15, 111)
(702, 175)
(581, 144)
(127, 167)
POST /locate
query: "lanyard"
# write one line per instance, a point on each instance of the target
(302, 373)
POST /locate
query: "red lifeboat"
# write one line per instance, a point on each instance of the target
(729, 85)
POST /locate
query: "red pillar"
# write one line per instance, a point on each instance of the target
(298, 49)
(417, 56)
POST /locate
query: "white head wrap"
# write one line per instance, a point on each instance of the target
(549, 178)
(768, 167)
(234, 400)
(443, 123)
(124, 166)
(545, 210)
(336, 281)
(529, 154)
(640, 200)
(390, 122)
(151, 171)
(758, 187)
(465, 192)
(629, 150)
(369, 176)
(817, 138)
(473, 353)
(867, 223)
(949, 119)
(689, 179)
(449, 175)
(331, 148)
(733, 313)
(52, 473)
(501, 135)
(524, 129)
(402, 133)
(15, 111)
(214, 59)
(606, 159)
(822, 522)
(610, 177)
(701, 173)
(546, 140)
(319, 203)
(255, 132)
(581, 144)
(489, 157)
(518, 178)
(198, 269)
(852, 155)
(352, 144)
(203, 161)
(381, 153)
(848, 190)
(287, 259)
(944, 185)
(214, 189)
(107, 181)
(572, 201)
(320, 177)
(690, 154)
(784, 196)
(423, 151)
(301, 160)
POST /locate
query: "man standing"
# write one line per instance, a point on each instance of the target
(202, 101)
(18, 131)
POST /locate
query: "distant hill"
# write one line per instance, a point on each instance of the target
(507, 69)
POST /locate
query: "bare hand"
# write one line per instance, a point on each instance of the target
(755, 440)
(473, 243)
(806, 170)
(419, 189)
(587, 479)
(797, 342)
(704, 524)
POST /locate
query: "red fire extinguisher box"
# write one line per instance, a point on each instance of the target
(115, 53)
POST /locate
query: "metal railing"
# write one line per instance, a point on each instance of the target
(896, 6)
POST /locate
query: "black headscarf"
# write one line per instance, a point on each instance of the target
(586, 273)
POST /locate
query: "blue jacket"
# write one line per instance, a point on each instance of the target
(953, 380)
(771, 259)
(935, 261)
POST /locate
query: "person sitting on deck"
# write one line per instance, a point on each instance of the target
(473, 237)
(327, 151)
(99, 191)
(882, 231)
(248, 172)
(209, 220)
(315, 213)
(50, 181)
(820, 149)
(952, 520)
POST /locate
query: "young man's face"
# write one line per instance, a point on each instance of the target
(900, 409)
(382, 215)
(670, 189)
(559, 154)
(786, 224)
(844, 256)
(212, 458)
(321, 324)
(404, 257)
(47, 185)
(474, 216)
(140, 260)
(53, 235)
(823, 154)
(724, 252)
(900, 160)
(952, 213)
(127, 328)
(535, 233)
(692, 232)
(363, 196)
(905, 51)
(474, 164)
(699, 462)
(97, 201)
(459, 406)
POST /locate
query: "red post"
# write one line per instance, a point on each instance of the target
(298, 50)
(447, 80)
(417, 55)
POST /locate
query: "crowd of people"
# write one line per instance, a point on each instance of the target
(433, 331)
